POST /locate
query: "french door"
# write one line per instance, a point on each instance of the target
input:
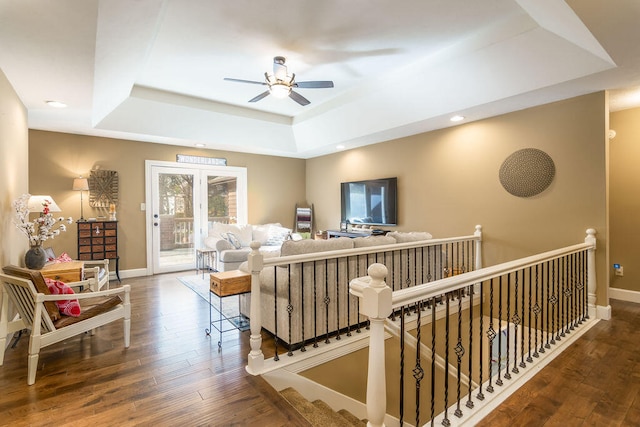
(182, 201)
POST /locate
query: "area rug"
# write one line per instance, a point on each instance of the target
(230, 310)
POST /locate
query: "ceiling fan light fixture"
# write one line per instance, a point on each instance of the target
(279, 90)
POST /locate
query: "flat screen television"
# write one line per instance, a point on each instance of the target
(370, 202)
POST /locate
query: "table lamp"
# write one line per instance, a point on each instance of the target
(36, 204)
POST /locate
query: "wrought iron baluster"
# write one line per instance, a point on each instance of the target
(470, 357)
(576, 293)
(445, 421)
(529, 310)
(537, 311)
(275, 312)
(315, 304)
(302, 303)
(349, 296)
(499, 361)
(327, 300)
(583, 287)
(402, 331)
(480, 394)
(289, 310)
(433, 359)
(516, 322)
(491, 334)
(459, 350)
(562, 273)
(522, 318)
(418, 372)
(507, 374)
(553, 299)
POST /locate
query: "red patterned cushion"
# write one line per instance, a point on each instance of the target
(69, 307)
(62, 258)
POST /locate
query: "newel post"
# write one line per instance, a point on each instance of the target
(255, 361)
(478, 234)
(375, 303)
(591, 271)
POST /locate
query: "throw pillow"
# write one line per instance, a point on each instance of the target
(69, 307)
(261, 232)
(277, 235)
(64, 257)
(48, 252)
(234, 240)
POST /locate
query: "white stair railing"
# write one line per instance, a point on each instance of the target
(569, 304)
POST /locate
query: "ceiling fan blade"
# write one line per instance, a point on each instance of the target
(244, 81)
(299, 98)
(259, 97)
(320, 84)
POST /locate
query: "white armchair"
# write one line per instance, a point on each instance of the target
(98, 270)
(37, 309)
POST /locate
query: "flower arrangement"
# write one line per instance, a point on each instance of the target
(41, 228)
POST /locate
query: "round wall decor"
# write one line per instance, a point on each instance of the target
(527, 172)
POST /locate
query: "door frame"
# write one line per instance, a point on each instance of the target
(240, 173)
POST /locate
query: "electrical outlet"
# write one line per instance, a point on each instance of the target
(619, 270)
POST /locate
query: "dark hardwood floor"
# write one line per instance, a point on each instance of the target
(594, 383)
(174, 375)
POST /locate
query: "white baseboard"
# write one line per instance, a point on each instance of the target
(624, 295)
(603, 312)
(127, 274)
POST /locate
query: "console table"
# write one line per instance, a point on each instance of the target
(98, 240)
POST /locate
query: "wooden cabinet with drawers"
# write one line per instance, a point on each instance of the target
(98, 240)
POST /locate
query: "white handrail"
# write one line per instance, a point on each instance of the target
(428, 290)
(370, 291)
(256, 262)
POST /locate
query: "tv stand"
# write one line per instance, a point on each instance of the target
(353, 234)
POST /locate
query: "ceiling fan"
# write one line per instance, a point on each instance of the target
(281, 83)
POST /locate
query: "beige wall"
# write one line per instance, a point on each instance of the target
(275, 184)
(13, 171)
(448, 180)
(624, 200)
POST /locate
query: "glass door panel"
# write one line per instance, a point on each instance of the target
(222, 197)
(184, 201)
(174, 219)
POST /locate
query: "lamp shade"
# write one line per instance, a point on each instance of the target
(80, 184)
(36, 204)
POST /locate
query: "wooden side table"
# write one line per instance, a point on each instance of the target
(224, 284)
(205, 260)
(67, 272)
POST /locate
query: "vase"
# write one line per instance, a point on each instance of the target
(35, 258)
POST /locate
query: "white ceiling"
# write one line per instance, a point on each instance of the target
(153, 70)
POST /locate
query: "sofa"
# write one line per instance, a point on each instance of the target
(231, 242)
(318, 291)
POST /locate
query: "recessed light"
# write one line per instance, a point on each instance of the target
(340, 147)
(456, 118)
(56, 104)
(200, 145)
